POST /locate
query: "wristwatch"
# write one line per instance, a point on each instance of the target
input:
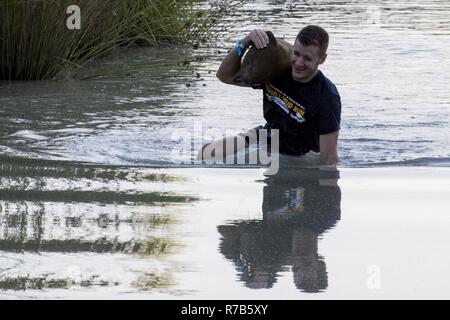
(240, 49)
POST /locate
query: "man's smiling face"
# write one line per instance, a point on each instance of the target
(306, 61)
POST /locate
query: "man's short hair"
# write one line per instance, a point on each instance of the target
(314, 35)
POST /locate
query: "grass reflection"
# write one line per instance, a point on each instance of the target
(55, 210)
(152, 246)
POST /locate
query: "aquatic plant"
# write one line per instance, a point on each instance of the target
(35, 42)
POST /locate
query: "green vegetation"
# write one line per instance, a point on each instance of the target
(35, 42)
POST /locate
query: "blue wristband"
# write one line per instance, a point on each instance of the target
(240, 49)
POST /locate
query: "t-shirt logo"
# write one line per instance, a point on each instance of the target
(293, 204)
(294, 109)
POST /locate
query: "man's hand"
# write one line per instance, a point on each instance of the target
(231, 65)
(258, 37)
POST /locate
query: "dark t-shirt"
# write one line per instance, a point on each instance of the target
(301, 111)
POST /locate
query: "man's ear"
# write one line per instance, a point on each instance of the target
(323, 58)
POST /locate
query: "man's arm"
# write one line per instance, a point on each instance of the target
(328, 148)
(231, 65)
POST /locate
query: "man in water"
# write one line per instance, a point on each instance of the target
(302, 104)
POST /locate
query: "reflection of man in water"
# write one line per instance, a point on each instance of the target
(298, 206)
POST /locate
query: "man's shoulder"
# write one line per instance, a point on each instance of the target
(329, 87)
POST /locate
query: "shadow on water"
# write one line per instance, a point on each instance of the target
(299, 206)
(51, 211)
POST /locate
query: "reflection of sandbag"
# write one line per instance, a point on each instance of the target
(230, 244)
(257, 250)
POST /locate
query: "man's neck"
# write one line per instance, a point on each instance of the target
(310, 78)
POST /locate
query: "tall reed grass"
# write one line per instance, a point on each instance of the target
(36, 44)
